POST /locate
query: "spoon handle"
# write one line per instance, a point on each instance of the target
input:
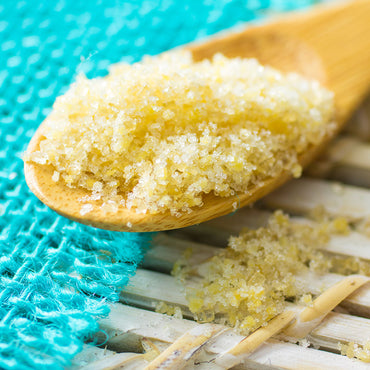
(330, 43)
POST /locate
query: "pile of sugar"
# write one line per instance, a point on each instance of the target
(158, 135)
(248, 283)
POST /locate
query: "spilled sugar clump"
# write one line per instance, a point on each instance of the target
(248, 283)
(157, 135)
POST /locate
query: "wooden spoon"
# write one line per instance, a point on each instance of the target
(330, 43)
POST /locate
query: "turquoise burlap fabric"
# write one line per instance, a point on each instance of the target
(55, 280)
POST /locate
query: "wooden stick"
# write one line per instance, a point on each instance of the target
(332, 297)
(178, 354)
(128, 325)
(249, 344)
(117, 361)
(304, 195)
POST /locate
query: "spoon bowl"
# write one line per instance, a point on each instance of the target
(330, 43)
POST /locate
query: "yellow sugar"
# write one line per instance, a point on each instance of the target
(168, 309)
(159, 134)
(354, 350)
(306, 299)
(247, 284)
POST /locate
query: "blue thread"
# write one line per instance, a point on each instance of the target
(57, 276)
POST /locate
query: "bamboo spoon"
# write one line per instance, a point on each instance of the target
(331, 43)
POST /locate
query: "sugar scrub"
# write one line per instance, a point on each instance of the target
(158, 135)
(248, 283)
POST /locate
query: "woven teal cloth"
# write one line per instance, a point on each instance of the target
(57, 276)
